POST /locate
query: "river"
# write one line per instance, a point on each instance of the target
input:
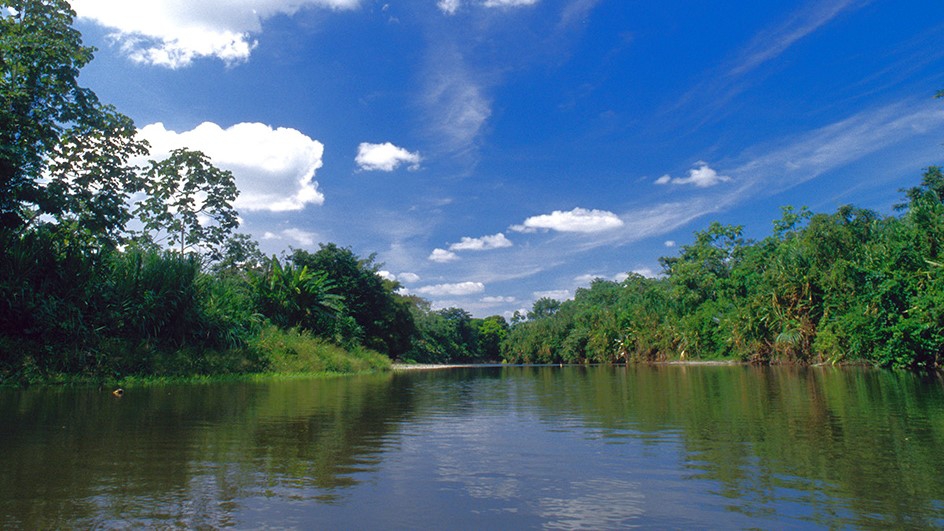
(484, 448)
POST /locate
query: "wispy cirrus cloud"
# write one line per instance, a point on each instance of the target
(509, 3)
(557, 294)
(773, 168)
(466, 62)
(771, 42)
(172, 34)
(725, 82)
(764, 170)
(584, 280)
(450, 7)
(455, 98)
(757, 172)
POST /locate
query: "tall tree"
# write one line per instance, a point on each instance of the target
(544, 307)
(492, 331)
(189, 203)
(62, 152)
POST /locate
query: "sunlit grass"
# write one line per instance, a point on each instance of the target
(294, 351)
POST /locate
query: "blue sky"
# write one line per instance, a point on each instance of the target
(491, 152)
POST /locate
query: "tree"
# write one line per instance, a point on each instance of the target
(434, 339)
(386, 322)
(292, 295)
(491, 332)
(518, 317)
(544, 307)
(62, 152)
(464, 332)
(190, 202)
(240, 253)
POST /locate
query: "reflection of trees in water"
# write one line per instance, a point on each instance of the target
(857, 446)
(850, 447)
(187, 455)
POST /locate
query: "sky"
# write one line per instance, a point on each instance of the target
(493, 152)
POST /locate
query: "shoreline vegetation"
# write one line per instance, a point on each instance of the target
(116, 271)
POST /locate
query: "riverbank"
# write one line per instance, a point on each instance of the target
(270, 353)
(438, 366)
(433, 366)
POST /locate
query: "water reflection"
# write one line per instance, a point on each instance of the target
(522, 447)
(186, 455)
(595, 504)
(852, 446)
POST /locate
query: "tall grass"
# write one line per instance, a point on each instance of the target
(298, 351)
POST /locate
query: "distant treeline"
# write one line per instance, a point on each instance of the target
(848, 286)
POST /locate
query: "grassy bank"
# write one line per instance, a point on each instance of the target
(293, 351)
(270, 353)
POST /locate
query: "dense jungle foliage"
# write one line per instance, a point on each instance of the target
(853, 285)
(113, 269)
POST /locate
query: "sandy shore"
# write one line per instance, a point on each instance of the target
(699, 362)
(432, 366)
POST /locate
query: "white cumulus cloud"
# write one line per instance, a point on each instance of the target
(274, 168)
(172, 33)
(701, 176)
(644, 272)
(442, 256)
(298, 236)
(409, 278)
(576, 220)
(457, 289)
(402, 277)
(497, 300)
(302, 237)
(385, 157)
(485, 243)
(449, 7)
